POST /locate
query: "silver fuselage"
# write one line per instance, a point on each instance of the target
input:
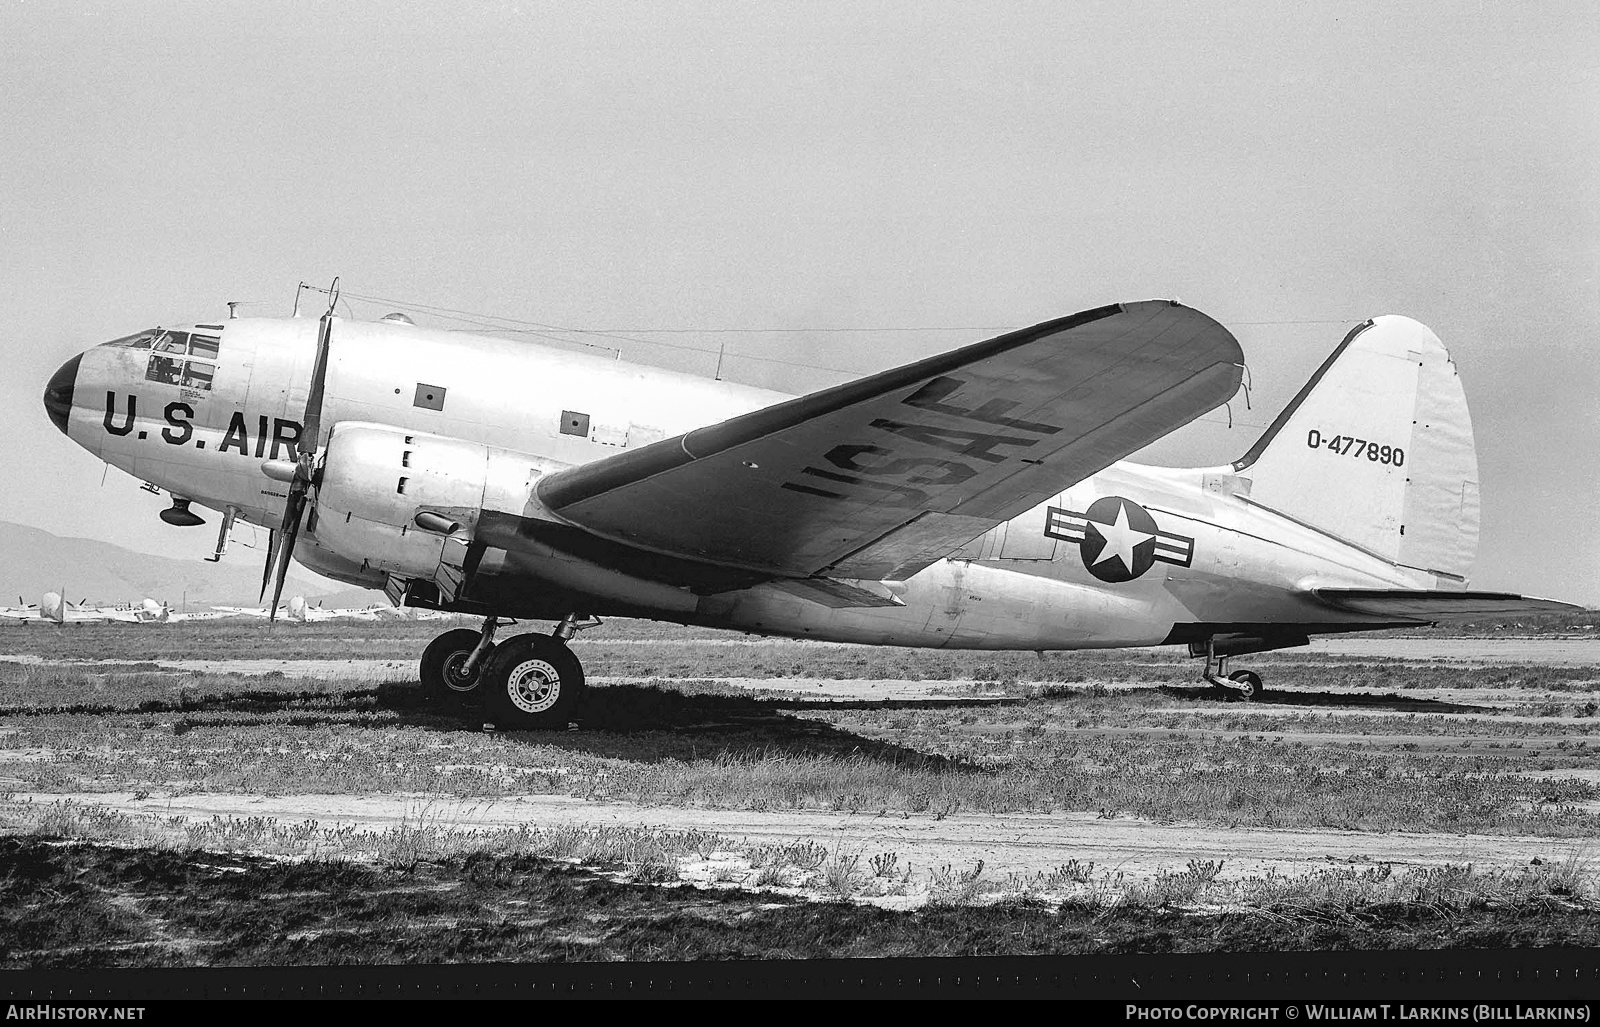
(1221, 562)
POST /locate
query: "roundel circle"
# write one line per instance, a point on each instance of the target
(1119, 542)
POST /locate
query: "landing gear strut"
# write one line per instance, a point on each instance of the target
(1244, 683)
(533, 682)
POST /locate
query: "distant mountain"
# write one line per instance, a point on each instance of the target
(33, 561)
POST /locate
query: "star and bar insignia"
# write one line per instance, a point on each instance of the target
(1117, 538)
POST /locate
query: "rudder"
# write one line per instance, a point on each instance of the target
(1377, 450)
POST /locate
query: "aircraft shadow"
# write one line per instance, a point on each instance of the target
(262, 701)
(635, 722)
(1344, 700)
(649, 723)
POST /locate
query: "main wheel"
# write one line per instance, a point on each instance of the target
(1247, 683)
(531, 683)
(442, 679)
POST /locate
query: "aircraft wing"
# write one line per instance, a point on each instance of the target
(877, 478)
(1431, 606)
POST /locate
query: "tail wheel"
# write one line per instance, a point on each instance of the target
(442, 678)
(532, 683)
(1247, 683)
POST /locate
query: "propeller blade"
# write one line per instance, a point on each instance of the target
(305, 456)
(291, 529)
(312, 425)
(272, 556)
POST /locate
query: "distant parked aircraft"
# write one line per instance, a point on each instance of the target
(294, 609)
(23, 612)
(297, 609)
(378, 611)
(54, 609)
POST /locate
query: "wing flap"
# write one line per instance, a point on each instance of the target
(839, 595)
(880, 477)
(1426, 606)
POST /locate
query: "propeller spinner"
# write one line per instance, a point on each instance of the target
(281, 547)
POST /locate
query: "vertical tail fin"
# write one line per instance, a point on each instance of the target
(1377, 450)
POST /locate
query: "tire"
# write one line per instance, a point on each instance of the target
(1247, 683)
(440, 662)
(531, 683)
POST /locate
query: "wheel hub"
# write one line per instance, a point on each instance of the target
(533, 686)
(453, 678)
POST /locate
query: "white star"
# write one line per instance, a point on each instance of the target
(1120, 539)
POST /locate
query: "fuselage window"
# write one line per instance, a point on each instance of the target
(574, 422)
(198, 375)
(166, 370)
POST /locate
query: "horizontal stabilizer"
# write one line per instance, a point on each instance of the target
(1429, 606)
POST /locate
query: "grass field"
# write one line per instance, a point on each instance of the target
(87, 906)
(1004, 802)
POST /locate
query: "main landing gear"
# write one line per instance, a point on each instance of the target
(528, 682)
(1246, 684)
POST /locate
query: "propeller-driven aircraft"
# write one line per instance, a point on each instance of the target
(23, 611)
(54, 609)
(298, 610)
(976, 499)
(380, 612)
(147, 611)
(294, 609)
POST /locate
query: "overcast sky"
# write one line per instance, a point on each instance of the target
(826, 165)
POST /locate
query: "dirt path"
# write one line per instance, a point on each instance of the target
(322, 670)
(1023, 844)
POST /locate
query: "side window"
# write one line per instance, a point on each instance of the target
(429, 397)
(184, 359)
(166, 358)
(197, 373)
(574, 422)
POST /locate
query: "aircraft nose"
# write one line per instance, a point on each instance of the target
(58, 394)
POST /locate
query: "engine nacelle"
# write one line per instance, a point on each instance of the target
(377, 479)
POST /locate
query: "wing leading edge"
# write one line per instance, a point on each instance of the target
(880, 477)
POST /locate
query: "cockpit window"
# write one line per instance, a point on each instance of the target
(171, 342)
(140, 340)
(167, 363)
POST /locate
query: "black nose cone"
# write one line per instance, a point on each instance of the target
(58, 394)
